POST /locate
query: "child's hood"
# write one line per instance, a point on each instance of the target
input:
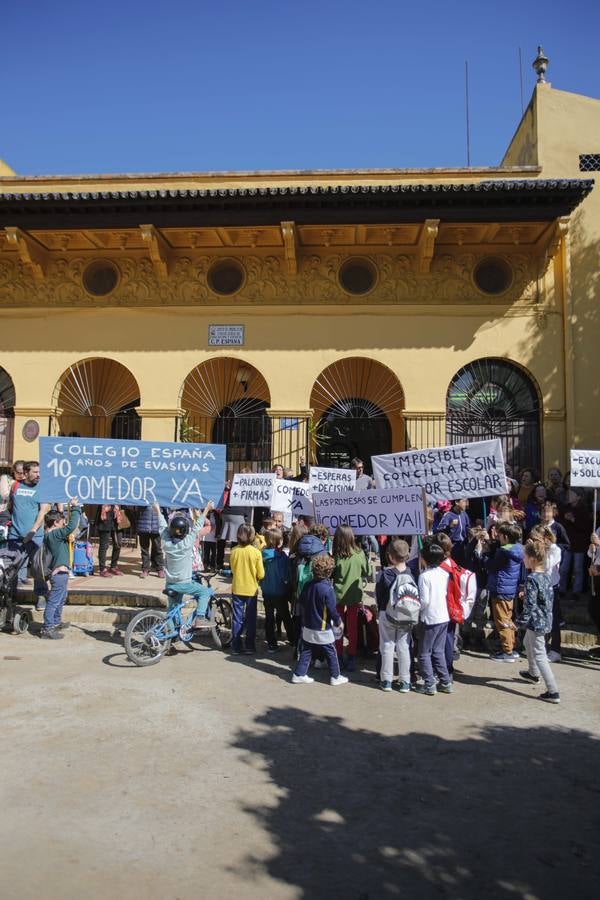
(269, 553)
(309, 546)
(514, 552)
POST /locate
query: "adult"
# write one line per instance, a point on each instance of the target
(554, 486)
(107, 526)
(368, 542)
(528, 478)
(577, 521)
(10, 483)
(26, 531)
(148, 531)
(231, 519)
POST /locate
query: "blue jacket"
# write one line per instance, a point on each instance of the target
(383, 586)
(276, 582)
(309, 546)
(505, 571)
(317, 606)
(456, 533)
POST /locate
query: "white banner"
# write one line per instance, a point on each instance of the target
(323, 480)
(585, 468)
(251, 489)
(395, 511)
(446, 473)
(293, 497)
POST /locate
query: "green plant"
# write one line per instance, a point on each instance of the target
(188, 433)
(317, 437)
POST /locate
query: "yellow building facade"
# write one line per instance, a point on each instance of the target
(325, 313)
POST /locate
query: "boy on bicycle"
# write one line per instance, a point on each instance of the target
(178, 543)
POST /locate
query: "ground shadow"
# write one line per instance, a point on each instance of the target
(508, 813)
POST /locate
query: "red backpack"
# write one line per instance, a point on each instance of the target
(461, 590)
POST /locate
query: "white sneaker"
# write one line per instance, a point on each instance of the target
(302, 679)
(341, 679)
(554, 656)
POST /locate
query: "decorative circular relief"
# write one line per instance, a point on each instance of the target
(493, 275)
(357, 276)
(100, 278)
(226, 277)
(31, 430)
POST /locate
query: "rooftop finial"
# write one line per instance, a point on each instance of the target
(540, 64)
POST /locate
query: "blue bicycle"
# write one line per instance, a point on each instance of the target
(150, 633)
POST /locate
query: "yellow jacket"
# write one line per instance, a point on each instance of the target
(247, 570)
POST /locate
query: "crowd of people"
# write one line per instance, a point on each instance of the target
(505, 564)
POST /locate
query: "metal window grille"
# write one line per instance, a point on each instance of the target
(589, 162)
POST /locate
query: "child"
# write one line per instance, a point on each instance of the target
(351, 567)
(433, 621)
(552, 569)
(209, 544)
(56, 541)
(395, 578)
(504, 578)
(537, 619)
(275, 588)
(318, 611)
(456, 524)
(178, 541)
(450, 566)
(247, 570)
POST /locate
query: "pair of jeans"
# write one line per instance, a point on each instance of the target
(390, 639)
(449, 646)
(104, 538)
(350, 616)
(432, 657)
(243, 617)
(575, 561)
(30, 548)
(535, 647)
(193, 589)
(281, 607)
(306, 654)
(152, 551)
(59, 586)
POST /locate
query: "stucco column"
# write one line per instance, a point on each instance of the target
(159, 424)
(22, 448)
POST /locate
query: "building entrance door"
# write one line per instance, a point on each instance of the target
(364, 431)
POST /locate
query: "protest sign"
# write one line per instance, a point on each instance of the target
(446, 473)
(395, 511)
(324, 480)
(131, 473)
(251, 489)
(585, 468)
(293, 497)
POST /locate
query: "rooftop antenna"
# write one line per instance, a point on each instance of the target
(521, 79)
(467, 113)
(540, 65)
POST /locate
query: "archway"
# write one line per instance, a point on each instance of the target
(97, 397)
(225, 401)
(7, 417)
(495, 398)
(357, 405)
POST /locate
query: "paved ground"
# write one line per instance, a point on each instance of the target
(211, 776)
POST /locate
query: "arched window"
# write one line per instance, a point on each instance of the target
(494, 398)
(97, 397)
(357, 403)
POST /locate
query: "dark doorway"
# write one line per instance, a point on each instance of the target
(350, 428)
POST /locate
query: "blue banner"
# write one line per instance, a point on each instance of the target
(130, 473)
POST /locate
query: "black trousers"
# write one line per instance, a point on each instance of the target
(152, 552)
(209, 555)
(280, 606)
(105, 538)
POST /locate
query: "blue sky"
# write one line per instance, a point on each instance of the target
(136, 86)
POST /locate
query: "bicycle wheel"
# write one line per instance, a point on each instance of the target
(221, 622)
(145, 643)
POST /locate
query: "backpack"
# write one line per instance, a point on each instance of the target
(303, 574)
(403, 606)
(462, 590)
(41, 563)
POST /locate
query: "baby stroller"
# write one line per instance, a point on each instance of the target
(18, 620)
